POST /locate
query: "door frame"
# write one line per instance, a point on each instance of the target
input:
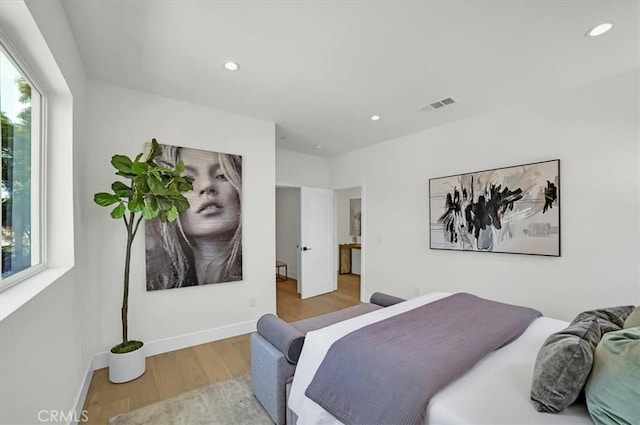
(363, 234)
(364, 296)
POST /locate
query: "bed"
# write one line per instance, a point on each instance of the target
(495, 391)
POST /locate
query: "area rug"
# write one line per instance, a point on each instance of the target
(223, 403)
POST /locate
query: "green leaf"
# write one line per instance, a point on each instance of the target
(121, 189)
(136, 205)
(185, 185)
(105, 199)
(151, 202)
(164, 203)
(154, 191)
(121, 163)
(154, 150)
(162, 216)
(140, 167)
(141, 186)
(126, 175)
(118, 212)
(172, 190)
(172, 214)
(156, 186)
(148, 213)
(181, 203)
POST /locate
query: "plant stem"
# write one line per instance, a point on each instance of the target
(127, 264)
(135, 230)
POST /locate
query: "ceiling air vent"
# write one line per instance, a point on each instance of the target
(439, 104)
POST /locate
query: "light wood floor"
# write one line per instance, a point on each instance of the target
(173, 373)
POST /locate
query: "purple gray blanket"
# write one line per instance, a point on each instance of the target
(386, 373)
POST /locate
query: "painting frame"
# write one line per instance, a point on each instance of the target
(519, 212)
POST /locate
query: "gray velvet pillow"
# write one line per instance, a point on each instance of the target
(609, 319)
(563, 365)
(385, 300)
(287, 339)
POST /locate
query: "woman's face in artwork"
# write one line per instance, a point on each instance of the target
(214, 203)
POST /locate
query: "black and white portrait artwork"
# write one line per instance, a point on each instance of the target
(204, 245)
(511, 210)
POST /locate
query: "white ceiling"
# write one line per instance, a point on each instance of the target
(320, 69)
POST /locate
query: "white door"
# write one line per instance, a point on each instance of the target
(317, 273)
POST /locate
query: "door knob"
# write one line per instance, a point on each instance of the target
(304, 248)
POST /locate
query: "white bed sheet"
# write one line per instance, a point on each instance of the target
(494, 392)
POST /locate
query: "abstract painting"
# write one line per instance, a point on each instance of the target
(510, 210)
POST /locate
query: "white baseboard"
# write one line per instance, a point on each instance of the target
(100, 360)
(160, 346)
(82, 394)
(200, 337)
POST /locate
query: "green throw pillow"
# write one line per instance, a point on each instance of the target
(613, 388)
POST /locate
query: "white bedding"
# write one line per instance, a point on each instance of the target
(495, 391)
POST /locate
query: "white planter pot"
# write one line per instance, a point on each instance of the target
(126, 367)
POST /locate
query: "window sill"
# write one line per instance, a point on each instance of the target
(16, 296)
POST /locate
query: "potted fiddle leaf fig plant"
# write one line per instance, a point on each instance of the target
(152, 191)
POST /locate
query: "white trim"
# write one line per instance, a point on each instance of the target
(363, 242)
(14, 297)
(366, 297)
(38, 158)
(24, 42)
(100, 360)
(82, 394)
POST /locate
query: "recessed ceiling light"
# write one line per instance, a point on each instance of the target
(599, 29)
(231, 66)
(375, 117)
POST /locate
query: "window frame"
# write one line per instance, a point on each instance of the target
(39, 163)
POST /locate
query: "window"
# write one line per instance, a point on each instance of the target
(22, 140)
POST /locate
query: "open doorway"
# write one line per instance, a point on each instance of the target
(305, 238)
(347, 286)
(288, 234)
(348, 206)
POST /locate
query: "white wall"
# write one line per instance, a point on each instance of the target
(343, 213)
(121, 121)
(298, 169)
(288, 228)
(594, 132)
(42, 356)
(295, 170)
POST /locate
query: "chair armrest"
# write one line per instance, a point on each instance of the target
(287, 339)
(270, 372)
(384, 300)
